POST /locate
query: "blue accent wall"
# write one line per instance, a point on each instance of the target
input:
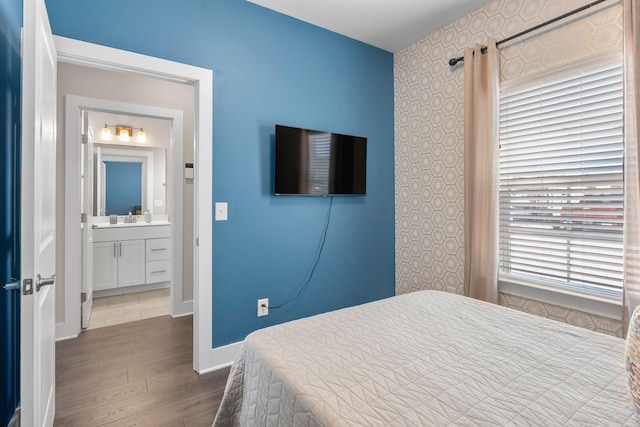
(123, 187)
(10, 69)
(271, 69)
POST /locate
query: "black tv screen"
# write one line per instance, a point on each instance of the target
(309, 162)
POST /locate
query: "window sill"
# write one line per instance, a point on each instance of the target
(599, 305)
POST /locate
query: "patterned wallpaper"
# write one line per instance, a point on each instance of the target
(429, 115)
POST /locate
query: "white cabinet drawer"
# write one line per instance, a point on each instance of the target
(158, 249)
(159, 271)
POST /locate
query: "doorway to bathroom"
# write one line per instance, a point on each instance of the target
(128, 202)
(123, 182)
(123, 158)
(152, 76)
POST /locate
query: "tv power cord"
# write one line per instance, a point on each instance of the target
(315, 262)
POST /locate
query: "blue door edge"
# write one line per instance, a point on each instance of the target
(10, 161)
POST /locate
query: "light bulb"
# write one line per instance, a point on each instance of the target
(141, 137)
(124, 135)
(106, 133)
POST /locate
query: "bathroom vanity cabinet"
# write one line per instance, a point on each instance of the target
(131, 255)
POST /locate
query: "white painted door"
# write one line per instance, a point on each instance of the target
(38, 237)
(86, 171)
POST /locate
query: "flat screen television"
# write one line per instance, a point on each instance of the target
(314, 163)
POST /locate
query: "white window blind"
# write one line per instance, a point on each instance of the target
(561, 192)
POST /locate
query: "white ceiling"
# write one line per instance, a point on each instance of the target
(388, 24)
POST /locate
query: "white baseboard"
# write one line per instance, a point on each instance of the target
(183, 308)
(185, 314)
(180, 308)
(61, 337)
(221, 357)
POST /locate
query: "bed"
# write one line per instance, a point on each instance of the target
(427, 358)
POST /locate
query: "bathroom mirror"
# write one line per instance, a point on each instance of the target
(123, 187)
(129, 180)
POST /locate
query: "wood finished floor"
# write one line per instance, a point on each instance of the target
(135, 374)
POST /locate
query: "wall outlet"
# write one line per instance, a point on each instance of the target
(263, 307)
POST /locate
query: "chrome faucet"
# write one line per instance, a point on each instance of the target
(129, 219)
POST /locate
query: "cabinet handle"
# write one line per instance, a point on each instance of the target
(158, 249)
(159, 271)
(120, 248)
(114, 250)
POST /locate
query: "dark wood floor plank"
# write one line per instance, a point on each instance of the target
(169, 378)
(163, 410)
(202, 419)
(74, 402)
(135, 374)
(90, 381)
(151, 408)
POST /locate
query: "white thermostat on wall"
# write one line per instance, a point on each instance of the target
(188, 170)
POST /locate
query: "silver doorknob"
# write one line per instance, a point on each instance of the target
(40, 282)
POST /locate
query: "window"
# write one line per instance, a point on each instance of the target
(561, 182)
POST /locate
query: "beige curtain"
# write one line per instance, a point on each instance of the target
(631, 10)
(481, 89)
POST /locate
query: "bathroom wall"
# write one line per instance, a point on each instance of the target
(429, 117)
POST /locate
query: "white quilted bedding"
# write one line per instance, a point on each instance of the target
(427, 358)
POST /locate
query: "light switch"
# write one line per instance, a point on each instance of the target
(221, 211)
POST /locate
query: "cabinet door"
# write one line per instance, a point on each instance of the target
(131, 263)
(105, 265)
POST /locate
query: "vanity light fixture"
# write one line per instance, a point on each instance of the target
(123, 133)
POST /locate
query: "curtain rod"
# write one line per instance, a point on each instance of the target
(454, 61)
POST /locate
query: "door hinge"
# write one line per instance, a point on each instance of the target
(84, 139)
(83, 297)
(197, 242)
(27, 287)
(83, 218)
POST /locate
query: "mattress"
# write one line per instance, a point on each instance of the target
(427, 358)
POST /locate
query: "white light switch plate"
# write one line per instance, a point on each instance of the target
(221, 211)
